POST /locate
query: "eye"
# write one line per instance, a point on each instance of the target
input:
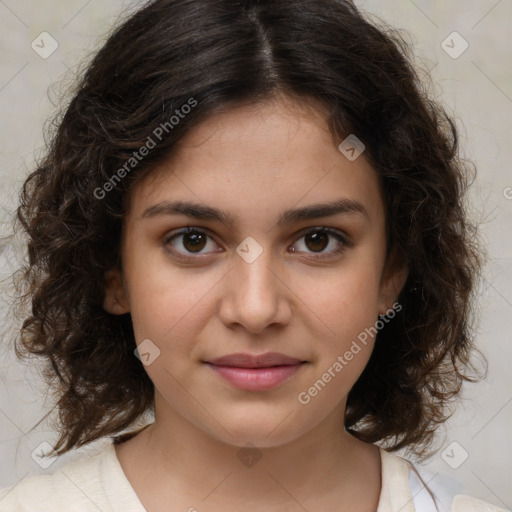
(318, 239)
(193, 240)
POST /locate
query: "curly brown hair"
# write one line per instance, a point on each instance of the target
(221, 53)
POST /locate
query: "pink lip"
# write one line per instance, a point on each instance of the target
(256, 373)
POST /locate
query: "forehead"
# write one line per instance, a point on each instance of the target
(256, 159)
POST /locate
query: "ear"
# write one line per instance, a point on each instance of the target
(393, 280)
(116, 300)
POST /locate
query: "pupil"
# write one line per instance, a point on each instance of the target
(317, 238)
(192, 240)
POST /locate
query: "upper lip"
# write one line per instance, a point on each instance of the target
(255, 361)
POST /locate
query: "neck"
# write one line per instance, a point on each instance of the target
(175, 458)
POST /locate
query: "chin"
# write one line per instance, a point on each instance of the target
(264, 434)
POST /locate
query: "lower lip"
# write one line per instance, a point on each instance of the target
(256, 379)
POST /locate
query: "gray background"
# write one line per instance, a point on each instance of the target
(476, 87)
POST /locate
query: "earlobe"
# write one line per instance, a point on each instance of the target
(115, 300)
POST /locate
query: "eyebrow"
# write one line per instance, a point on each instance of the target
(204, 212)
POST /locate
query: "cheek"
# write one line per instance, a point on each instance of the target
(169, 305)
(161, 310)
(346, 311)
(347, 300)
(347, 304)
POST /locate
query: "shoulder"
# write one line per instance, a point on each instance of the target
(74, 485)
(415, 489)
(463, 503)
(77, 487)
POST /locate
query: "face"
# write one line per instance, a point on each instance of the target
(256, 236)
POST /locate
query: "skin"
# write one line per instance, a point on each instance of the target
(254, 162)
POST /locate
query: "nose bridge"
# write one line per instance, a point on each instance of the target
(257, 296)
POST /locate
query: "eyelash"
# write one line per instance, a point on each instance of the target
(339, 236)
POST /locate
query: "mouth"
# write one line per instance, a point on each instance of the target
(256, 373)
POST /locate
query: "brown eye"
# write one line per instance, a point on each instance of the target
(317, 241)
(190, 241)
(194, 242)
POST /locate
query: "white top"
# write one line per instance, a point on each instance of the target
(98, 483)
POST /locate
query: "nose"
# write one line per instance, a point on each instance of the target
(255, 294)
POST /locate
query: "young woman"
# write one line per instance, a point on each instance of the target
(249, 224)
